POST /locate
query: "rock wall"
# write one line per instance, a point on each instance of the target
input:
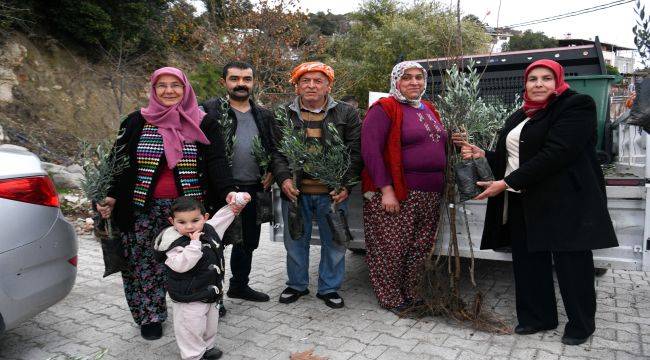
(52, 99)
(11, 56)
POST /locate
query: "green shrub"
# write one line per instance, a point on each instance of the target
(92, 24)
(205, 81)
(15, 14)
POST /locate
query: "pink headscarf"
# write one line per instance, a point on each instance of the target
(531, 107)
(177, 123)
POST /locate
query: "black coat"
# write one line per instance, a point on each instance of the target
(214, 173)
(264, 118)
(348, 125)
(562, 185)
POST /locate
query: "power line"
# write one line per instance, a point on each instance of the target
(572, 13)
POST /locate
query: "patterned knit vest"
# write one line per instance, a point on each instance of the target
(149, 152)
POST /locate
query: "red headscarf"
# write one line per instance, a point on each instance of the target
(530, 106)
(304, 68)
(177, 123)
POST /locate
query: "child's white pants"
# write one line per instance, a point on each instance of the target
(195, 328)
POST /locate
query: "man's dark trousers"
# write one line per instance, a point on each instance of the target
(242, 254)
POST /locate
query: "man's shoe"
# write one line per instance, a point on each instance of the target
(212, 354)
(151, 331)
(573, 341)
(529, 330)
(246, 293)
(290, 295)
(222, 309)
(332, 300)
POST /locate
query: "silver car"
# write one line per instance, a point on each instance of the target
(38, 247)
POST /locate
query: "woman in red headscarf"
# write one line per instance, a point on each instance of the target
(550, 203)
(174, 150)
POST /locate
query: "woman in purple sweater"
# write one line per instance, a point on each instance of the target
(403, 147)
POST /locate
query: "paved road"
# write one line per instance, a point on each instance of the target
(94, 317)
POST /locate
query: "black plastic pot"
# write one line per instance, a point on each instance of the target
(338, 223)
(112, 246)
(264, 207)
(483, 169)
(468, 172)
(233, 235)
(295, 220)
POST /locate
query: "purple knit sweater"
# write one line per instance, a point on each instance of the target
(423, 148)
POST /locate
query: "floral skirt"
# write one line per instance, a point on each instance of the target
(144, 281)
(397, 245)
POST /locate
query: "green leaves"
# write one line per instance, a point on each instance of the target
(101, 165)
(461, 107)
(330, 163)
(260, 154)
(293, 144)
(227, 130)
(529, 40)
(388, 31)
(205, 81)
(642, 34)
(106, 24)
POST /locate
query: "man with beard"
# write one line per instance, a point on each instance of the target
(248, 120)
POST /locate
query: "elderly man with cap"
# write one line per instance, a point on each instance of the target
(312, 110)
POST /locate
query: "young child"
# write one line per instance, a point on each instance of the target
(195, 271)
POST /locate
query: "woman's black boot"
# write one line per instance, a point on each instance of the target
(151, 331)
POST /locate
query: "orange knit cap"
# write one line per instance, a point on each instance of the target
(303, 68)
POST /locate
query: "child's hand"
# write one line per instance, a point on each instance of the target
(242, 198)
(196, 235)
(237, 201)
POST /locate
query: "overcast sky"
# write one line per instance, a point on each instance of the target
(613, 25)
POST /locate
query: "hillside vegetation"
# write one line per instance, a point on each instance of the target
(70, 69)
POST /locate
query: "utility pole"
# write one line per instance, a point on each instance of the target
(459, 39)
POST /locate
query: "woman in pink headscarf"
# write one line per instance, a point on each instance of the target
(549, 204)
(173, 150)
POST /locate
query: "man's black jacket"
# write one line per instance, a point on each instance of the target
(264, 119)
(348, 125)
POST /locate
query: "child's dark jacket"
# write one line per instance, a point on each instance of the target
(204, 281)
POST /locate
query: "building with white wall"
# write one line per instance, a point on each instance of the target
(621, 57)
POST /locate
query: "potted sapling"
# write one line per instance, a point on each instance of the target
(101, 166)
(264, 197)
(234, 233)
(461, 110)
(464, 111)
(329, 163)
(293, 146)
